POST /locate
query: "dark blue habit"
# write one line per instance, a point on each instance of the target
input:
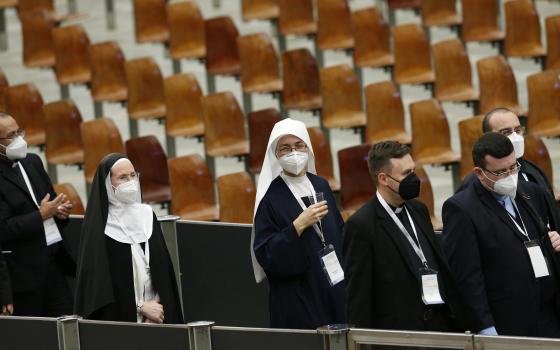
(300, 294)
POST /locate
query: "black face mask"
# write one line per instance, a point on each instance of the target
(409, 187)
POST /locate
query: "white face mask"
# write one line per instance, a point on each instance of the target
(294, 162)
(518, 142)
(17, 149)
(127, 192)
(507, 186)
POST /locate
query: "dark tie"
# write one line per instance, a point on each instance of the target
(406, 223)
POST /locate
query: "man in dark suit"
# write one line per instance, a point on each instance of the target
(506, 122)
(6, 306)
(387, 271)
(496, 240)
(31, 229)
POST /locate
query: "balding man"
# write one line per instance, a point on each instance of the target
(32, 218)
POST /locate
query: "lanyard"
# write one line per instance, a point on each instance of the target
(522, 230)
(295, 194)
(28, 184)
(416, 247)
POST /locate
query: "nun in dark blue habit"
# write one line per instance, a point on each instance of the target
(296, 244)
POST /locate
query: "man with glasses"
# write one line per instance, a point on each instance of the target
(496, 240)
(32, 218)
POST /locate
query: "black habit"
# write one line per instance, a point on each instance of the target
(105, 286)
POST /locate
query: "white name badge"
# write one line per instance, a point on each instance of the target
(51, 231)
(540, 268)
(331, 265)
(430, 288)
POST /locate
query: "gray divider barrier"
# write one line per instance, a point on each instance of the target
(515, 343)
(169, 228)
(357, 338)
(96, 335)
(236, 338)
(217, 275)
(29, 333)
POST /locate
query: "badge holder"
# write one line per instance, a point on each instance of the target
(429, 286)
(331, 265)
(538, 261)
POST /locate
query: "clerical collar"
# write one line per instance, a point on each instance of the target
(396, 210)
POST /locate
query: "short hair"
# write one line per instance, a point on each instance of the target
(4, 115)
(493, 144)
(380, 155)
(486, 119)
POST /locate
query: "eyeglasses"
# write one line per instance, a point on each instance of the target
(514, 169)
(128, 177)
(520, 130)
(14, 134)
(299, 147)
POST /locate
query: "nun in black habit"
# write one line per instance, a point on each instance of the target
(124, 269)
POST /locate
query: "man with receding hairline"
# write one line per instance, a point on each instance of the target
(32, 218)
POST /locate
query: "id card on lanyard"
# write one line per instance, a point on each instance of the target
(429, 286)
(534, 250)
(329, 261)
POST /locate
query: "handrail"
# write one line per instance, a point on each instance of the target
(359, 336)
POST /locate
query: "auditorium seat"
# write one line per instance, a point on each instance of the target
(260, 123)
(301, 88)
(47, 6)
(427, 196)
(150, 161)
(334, 26)
(224, 126)
(385, 114)
(192, 189)
(323, 157)
(108, 75)
(222, 53)
(544, 103)
(497, 85)
(71, 49)
(470, 130)
(453, 73)
(4, 84)
(439, 13)
(99, 137)
(38, 49)
(63, 139)
(184, 110)
(71, 195)
(237, 197)
(186, 31)
(259, 9)
(150, 21)
(296, 17)
(480, 21)
(25, 103)
(431, 141)
(371, 39)
(260, 70)
(356, 185)
(4, 5)
(342, 98)
(553, 42)
(146, 96)
(523, 31)
(412, 55)
(394, 5)
(536, 152)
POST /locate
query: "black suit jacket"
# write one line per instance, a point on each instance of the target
(21, 226)
(382, 285)
(5, 286)
(486, 253)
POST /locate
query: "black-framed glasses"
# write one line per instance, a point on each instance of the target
(514, 169)
(519, 130)
(14, 134)
(299, 147)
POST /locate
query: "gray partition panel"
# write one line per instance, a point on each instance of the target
(217, 275)
(122, 336)
(28, 333)
(229, 338)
